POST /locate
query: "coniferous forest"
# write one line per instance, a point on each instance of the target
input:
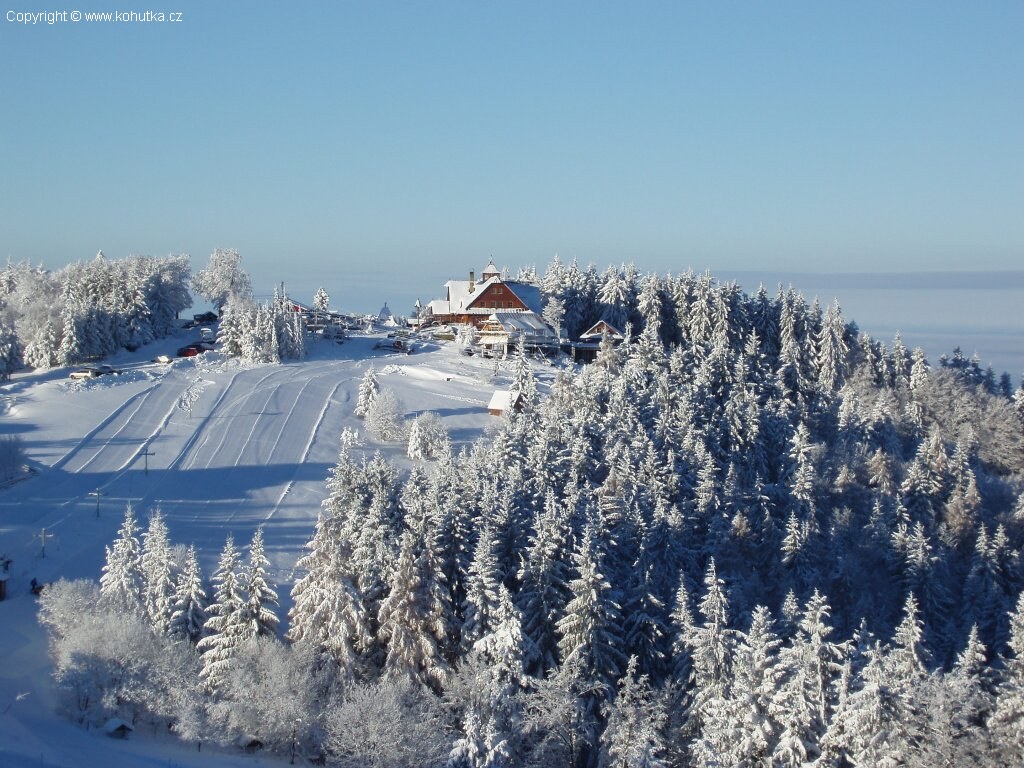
(747, 536)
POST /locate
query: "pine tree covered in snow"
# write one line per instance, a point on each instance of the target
(157, 577)
(327, 610)
(226, 628)
(188, 607)
(411, 619)
(122, 582)
(261, 598)
(368, 389)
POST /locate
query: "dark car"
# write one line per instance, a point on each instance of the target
(190, 351)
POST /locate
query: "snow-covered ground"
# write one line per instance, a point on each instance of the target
(255, 450)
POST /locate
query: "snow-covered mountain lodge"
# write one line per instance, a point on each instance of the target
(472, 303)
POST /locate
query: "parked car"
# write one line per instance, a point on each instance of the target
(191, 350)
(206, 317)
(162, 359)
(93, 371)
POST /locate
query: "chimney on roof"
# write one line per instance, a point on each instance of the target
(472, 284)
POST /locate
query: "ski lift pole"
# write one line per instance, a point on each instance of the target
(43, 536)
(145, 454)
(97, 493)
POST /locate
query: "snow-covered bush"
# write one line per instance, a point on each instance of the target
(268, 693)
(388, 724)
(385, 416)
(110, 662)
(349, 438)
(428, 438)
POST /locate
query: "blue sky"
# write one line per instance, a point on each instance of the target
(351, 144)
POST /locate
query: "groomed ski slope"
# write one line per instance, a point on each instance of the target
(255, 450)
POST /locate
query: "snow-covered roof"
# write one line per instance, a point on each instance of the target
(459, 295)
(523, 322)
(597, 330)
(460, 298)
(116, 726)
(490, 269)
(528, 294)
(502, 399)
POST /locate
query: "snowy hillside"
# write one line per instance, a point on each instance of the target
(255, 451)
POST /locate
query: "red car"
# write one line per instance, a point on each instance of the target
(190, 351)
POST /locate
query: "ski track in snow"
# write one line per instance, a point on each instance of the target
(309, 447)
(108, 442)
(225, 430)
(202, 429)
(116, 414)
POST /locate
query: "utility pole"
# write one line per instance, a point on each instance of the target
(146, 453)
(97, 493)
(43, 536)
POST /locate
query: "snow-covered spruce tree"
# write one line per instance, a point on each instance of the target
(122, 582)
(235, 316)
(957, 706)
(428, 439)
(1007, 724)
(590, 632)
(370, 523)
(804, 701)
(544, 591)
(710, 646)
(633, 737)
(327, 610)
(321, 301)
(881, 721)
(866, 729)
(412, 621)
(226, 628)
(740, 729)
(157, 577)
(368, 389)
(188, 608)
(482, 589)
(261, 598)
(493, 670)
